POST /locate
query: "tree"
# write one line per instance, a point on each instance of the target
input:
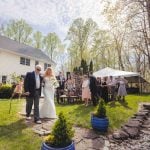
(52, 44)
(102, 48)
(18, 30)
(80, 34)
(84, 66)
(129, 23)
(38, 40)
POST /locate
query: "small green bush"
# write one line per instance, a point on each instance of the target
(6, 91)
(62, 133)
(101, 109)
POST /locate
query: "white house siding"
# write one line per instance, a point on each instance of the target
(10, 63)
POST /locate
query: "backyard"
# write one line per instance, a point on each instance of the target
(14, 134)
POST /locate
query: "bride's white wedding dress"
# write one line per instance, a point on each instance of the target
(48, 109)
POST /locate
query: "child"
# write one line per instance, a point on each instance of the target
(18, 89)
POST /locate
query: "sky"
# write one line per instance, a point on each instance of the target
(51, 15)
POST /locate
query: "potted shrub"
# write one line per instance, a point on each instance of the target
(60, 137)
(99, 121)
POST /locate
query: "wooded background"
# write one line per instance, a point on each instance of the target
(124, 44)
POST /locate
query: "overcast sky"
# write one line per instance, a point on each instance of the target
(51, 15)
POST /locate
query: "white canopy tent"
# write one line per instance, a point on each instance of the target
(113, 72)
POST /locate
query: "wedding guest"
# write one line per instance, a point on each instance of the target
(93, 89)
(105, 89)
(60, 89)
(48, 109)
(70, 86)
(99, 87)
(122, 88)
(18, 89)
(78, 84)
(86, 94)
(32, 88)
(112, 88)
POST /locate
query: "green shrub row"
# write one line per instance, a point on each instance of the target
(6, 91)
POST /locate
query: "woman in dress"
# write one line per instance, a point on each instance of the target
(48, 109)
(122, 88)
(86, 94)
(70, 85)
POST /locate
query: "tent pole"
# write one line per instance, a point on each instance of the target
(140, 89)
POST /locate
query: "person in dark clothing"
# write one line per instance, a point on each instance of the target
(32, 88)
(99, 87)
(105, 90)
(60, 89)
(93, 89)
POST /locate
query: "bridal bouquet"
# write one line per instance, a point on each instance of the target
(54, 82)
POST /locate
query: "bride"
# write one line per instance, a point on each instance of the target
(48, 109)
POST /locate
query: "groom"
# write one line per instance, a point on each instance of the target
(32, 88)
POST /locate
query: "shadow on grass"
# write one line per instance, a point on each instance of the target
(123, 103)
(113, 104)
(12, 130)
(82, 110)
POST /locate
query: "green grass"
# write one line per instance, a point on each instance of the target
(117, 112)
(14, 134)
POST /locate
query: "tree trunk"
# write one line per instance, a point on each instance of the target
(148, 11)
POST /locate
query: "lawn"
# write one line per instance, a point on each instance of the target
(14, 134)
(117, 112)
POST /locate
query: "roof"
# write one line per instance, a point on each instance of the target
(112, 72)
(22, 49)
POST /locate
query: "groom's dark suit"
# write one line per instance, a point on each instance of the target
(34, 94)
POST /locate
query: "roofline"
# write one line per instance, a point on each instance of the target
(24, 55)
(28, 46)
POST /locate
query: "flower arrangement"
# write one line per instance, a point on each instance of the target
(54, 82)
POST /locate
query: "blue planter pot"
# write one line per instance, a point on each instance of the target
(100, 124)
(46, 147)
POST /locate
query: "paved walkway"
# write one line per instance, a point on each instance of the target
(87, 139)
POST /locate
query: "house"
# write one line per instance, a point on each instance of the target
(19, 59)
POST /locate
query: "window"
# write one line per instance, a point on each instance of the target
(46, 65)
(36, 63)
(24, 61)
(27, 62)
(4, 78)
